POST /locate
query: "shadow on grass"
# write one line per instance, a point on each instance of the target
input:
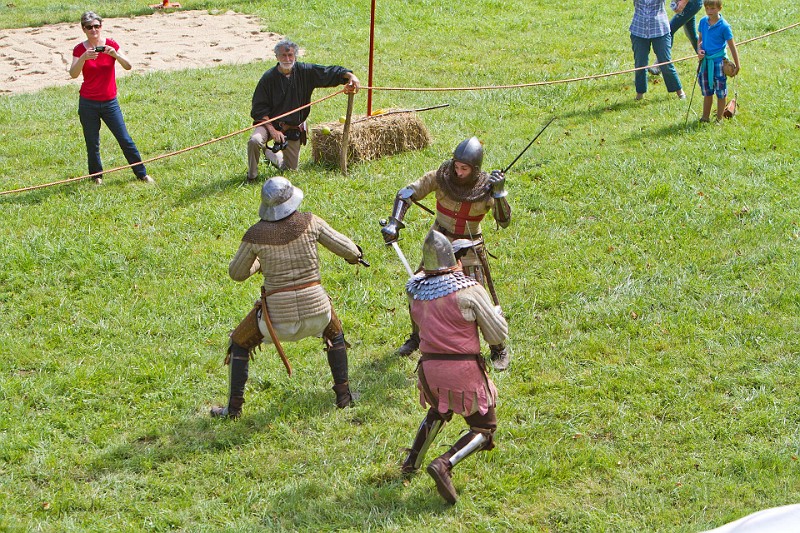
(375, 488)
(39, 196)
(204, 188)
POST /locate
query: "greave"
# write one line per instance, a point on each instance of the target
(239, 367)
(426, 434)
(337, 361)
(466, 446)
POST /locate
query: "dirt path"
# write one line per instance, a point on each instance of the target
(33, 58)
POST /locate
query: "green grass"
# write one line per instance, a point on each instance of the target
(649, 276)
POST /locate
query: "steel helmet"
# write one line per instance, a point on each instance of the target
(437, 254)
(470, 151)
(279, 199)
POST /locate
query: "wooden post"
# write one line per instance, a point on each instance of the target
(346, 135)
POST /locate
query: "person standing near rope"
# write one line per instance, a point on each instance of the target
(283, 247)
(452, 310)
(685, 10)
(715, 33)
(95, 58)
(650, 28)
(287, 86)
(464, 195)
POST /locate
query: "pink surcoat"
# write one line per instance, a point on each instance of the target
(461, 386)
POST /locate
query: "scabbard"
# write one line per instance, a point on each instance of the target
(487, 276)
(271, 330)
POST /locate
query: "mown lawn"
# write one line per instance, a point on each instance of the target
(649, 276)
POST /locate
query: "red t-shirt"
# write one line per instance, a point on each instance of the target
(99, 76)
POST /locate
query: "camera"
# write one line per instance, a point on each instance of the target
(99, 49)
(277, 147)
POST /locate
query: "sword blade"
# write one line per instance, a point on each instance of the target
(403, 259)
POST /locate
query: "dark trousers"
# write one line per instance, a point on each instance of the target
(91, 112)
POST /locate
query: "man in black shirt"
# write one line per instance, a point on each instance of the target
(287, 86)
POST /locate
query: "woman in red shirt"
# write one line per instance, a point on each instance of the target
(95, 58)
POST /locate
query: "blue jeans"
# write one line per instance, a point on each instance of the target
(685, 19)
(90, 113)
(641, 57)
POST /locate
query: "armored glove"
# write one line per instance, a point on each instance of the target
(391, 231)
(497, 181)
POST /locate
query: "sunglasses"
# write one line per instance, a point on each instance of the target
(93, 27)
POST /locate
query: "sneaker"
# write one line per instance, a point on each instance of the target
(681, 95)
(639, 96)
(147, 179)
(98, 181)
(655, 71)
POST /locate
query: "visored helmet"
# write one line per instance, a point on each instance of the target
(470, 152)
(279, 199)
(437, 254)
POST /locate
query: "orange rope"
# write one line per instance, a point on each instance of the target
(556, 82)
(416, 89)
(170, 154)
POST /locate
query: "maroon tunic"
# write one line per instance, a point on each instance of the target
(457, 385)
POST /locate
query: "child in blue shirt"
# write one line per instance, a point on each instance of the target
(715, 33)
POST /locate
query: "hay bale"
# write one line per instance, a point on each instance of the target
(370, 137)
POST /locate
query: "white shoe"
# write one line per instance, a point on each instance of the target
(148, 179)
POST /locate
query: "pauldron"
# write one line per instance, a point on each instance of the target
(426, 287)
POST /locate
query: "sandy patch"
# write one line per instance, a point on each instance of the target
(33, 58)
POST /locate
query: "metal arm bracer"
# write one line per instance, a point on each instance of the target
(402, 202)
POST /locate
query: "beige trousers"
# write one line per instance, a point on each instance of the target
(286, 159)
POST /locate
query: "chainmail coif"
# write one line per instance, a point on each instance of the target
(471, 192)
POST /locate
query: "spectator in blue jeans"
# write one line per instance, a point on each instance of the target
(96, 58)
(685, 10)
(650, 28)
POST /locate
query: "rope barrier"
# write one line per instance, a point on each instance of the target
(568, 80)
(414, 89)
(170, 154)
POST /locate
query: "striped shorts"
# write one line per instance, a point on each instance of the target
(718, 86)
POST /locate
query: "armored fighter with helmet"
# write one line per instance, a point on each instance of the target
(283, 247)
(451, 309)
(464, 195)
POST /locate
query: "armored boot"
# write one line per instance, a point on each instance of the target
(337, 360)
(440, 468)
(428, 429)
(500, 356)
(239, 363)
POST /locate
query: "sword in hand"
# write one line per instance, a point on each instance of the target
(398, 251)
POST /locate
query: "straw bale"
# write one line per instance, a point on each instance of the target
(370, 137)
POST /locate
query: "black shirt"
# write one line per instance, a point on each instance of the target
(276, 94)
